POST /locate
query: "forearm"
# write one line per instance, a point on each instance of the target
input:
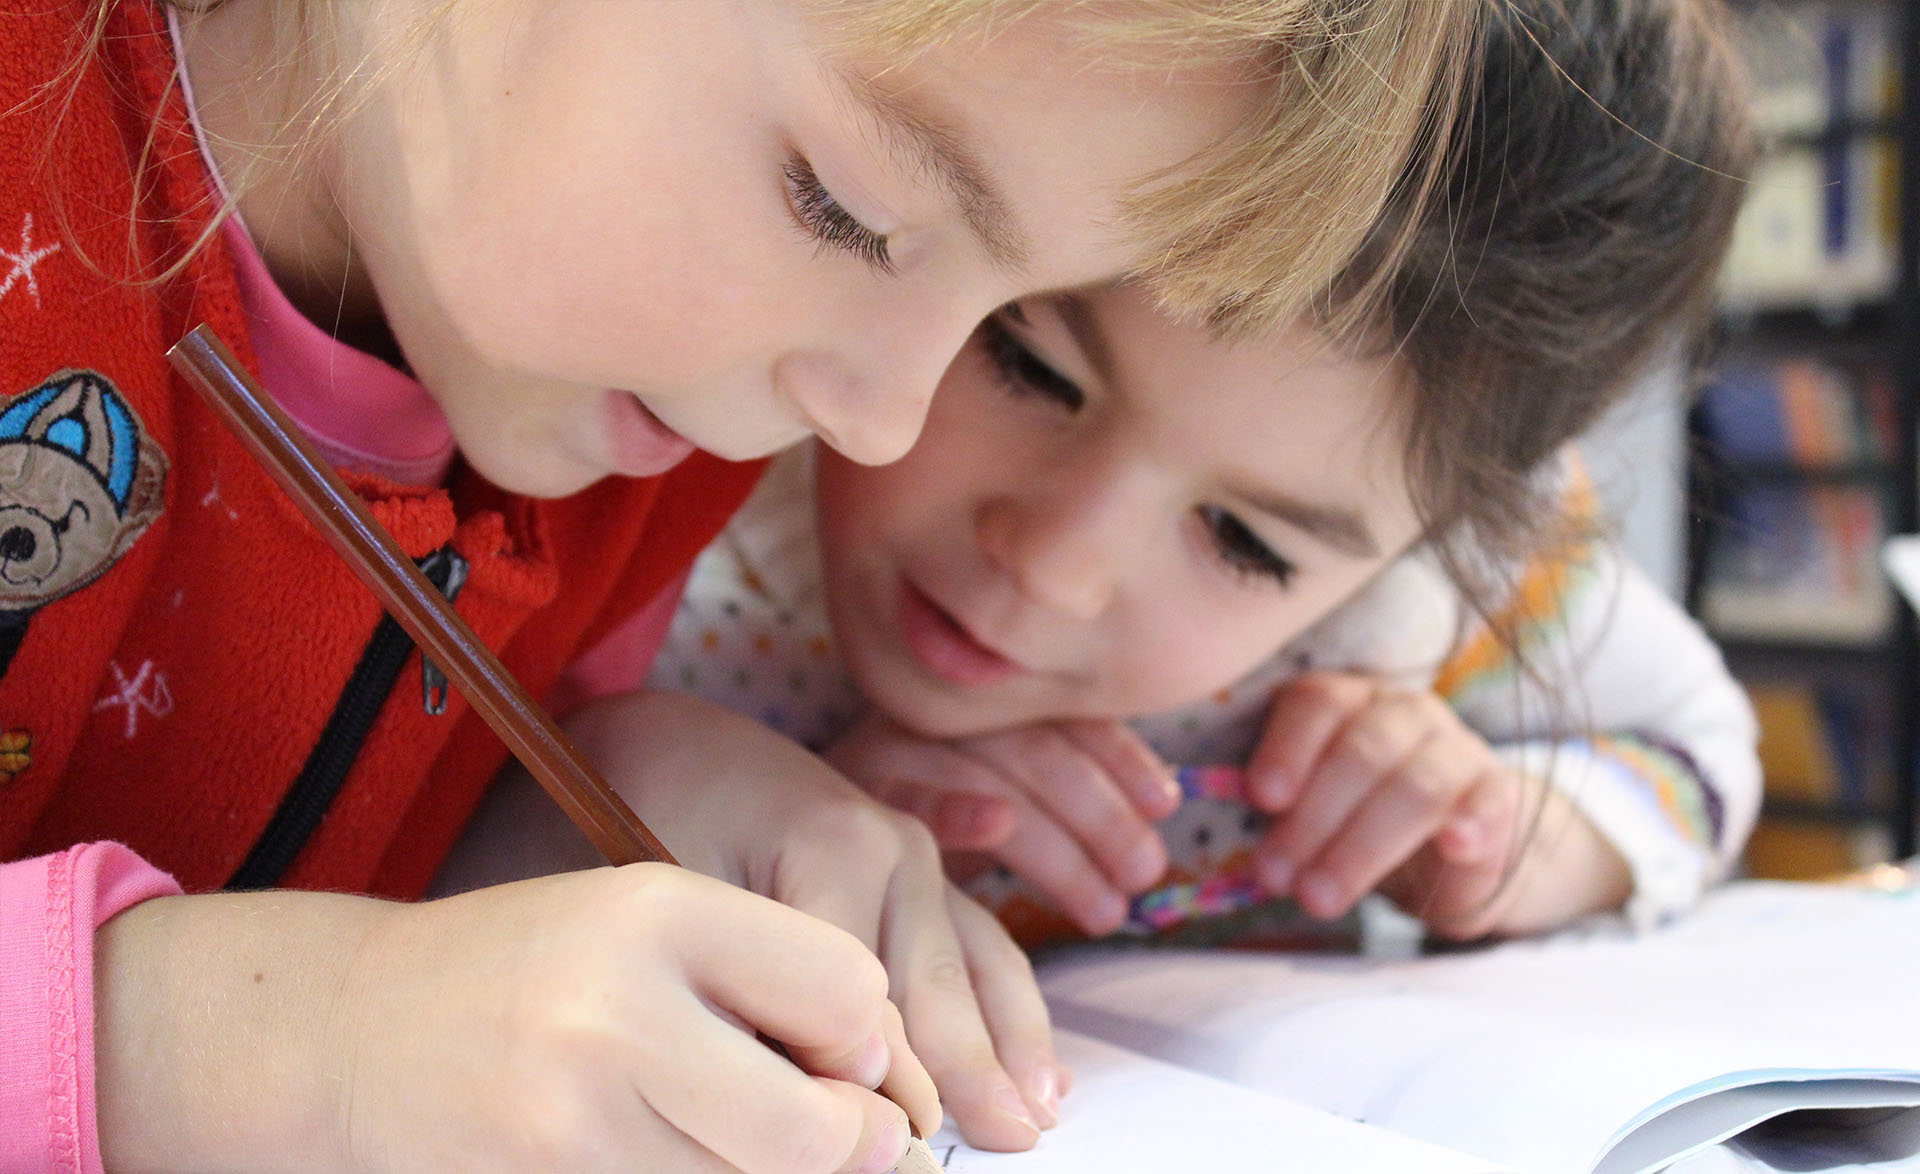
(652, 746)
(1566, 870)
(698, 774)
(220, 1040)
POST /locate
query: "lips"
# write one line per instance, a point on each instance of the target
(638, 443)
(944, 647)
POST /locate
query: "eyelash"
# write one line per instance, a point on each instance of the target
(1021, 371)
(829, 223)
(1241, 549)
(1024, 373)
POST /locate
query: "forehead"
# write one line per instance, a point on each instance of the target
(1287, 410)
(1048, 113)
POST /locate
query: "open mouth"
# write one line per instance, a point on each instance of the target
(944, 647)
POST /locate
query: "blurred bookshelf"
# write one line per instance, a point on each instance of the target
(1803, 440)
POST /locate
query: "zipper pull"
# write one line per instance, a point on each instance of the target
(448, 571)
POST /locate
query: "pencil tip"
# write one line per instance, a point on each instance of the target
(919, 1159)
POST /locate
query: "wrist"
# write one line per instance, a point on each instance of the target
(1568, 871)
(221, 1034)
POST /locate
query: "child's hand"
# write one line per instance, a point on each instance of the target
(1565, 869)
(1069, 807)
(736, 800)
(599, 1020)
(1371, 783)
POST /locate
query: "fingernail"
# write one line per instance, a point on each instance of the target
(888, 1149)
(1169, 791)
(1107, 914)
(876, 1060)
(1015, 1106)
(1144, 864)
(1467, 838)
(1319, 895)
(1276, 872)
(1270, 787)
(1045, 1093)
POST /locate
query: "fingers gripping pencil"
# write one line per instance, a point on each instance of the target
(342, 519)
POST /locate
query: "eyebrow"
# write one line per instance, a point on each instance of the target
(1340, 529)
(1343, 530)
(937, 149)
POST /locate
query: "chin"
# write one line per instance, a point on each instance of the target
(935, 714)
(939, 722)
(906, 701)
(546, 479)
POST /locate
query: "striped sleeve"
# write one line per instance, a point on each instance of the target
(1620, 701)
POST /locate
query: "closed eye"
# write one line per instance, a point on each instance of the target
(1023, 372)
(827, 222)
(1241, 550)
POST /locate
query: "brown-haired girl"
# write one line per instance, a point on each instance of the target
(1114, 513)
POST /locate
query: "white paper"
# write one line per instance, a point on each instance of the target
(1539, 1056)
(1130, 1113)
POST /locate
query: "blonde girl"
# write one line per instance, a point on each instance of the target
(528, 271)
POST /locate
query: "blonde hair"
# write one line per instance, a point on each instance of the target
(1357, 99)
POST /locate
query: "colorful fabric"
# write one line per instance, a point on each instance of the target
(173, 635)
(1211, 835)
(177, 634)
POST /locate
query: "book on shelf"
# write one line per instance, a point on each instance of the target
(1824, 744)
(1820, 223)
(1797, 563)
(1800, 410)
(1795, 555)
(1773, 1029)
(1817, 64)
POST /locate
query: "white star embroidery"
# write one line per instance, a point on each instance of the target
(147, 692)
(212, 498)
(24, 262)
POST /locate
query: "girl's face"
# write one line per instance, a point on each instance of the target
(1110, 514)
(605, 232)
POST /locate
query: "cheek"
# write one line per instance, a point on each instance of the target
(641, 303)
(1196, 642)
(847, 525)
(612, 275)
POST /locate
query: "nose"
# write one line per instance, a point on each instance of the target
(1063, 542)
(869, 399)
(866, 417)
(17, 544)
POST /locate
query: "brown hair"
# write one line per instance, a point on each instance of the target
(1576, 238)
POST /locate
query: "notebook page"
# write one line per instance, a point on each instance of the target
(1129, 1112)
(1535, 1055)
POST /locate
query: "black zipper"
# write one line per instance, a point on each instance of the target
(345, 735)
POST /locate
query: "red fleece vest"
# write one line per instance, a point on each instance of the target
(174, 634)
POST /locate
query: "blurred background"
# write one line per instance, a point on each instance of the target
(1763, 503)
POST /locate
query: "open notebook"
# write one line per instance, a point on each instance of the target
(1777, 1028)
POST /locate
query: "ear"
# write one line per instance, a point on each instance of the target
(146, 498)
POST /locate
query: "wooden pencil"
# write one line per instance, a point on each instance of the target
(405, 592)
(342, 519)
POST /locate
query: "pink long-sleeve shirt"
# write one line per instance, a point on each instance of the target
(50, 907)
(363, 414)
